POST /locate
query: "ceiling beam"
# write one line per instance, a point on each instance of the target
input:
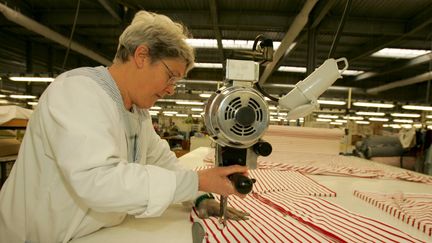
(38, 28)
(421, 21)
(111, 8)
(392, 67)
(404, 82)
(294, 30)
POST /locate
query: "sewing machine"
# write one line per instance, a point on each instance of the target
(237, 115)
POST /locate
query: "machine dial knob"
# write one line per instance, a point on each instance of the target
(262, 148)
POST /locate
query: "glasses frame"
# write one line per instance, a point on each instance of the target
(172, 79)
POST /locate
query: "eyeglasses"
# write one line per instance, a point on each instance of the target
(172, 79)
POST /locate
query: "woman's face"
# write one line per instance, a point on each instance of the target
(154, 80)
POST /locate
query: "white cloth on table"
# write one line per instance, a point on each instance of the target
(9, 112)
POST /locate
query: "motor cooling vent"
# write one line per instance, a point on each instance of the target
(240, 129)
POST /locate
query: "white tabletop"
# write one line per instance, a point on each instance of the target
(174, 224)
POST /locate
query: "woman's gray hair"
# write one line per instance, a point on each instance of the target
(164, 38)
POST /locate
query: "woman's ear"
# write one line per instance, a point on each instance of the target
(140, 55)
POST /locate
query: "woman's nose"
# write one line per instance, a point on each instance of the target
(170, 90)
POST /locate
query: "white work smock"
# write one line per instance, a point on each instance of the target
(72, 175)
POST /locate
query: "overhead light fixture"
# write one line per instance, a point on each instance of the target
(32, 103)
(417, 125)
(323, 120)
(2, 96)
(22, 96)
(197, 116)
(155, 108)
(405, 115)
(378, 119)
(197, 109)
(362, 122)
(278, 113)
(273, 108)
(4, 102)
(417, 107)
(377, 105)
(340, 120)
(352, 72)
(205, 95)
(331, 102)
(367, 113)
(189, 103)
(328, 116)
(182, 115)
(32, 79)
(336, 123)
(207, 65)
(403, 120)
(407, 126)
(292, 69)
(226, 43)
(170, 112)
(399, 53)
(353, 117)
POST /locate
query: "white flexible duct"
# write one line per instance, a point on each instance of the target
(409, 81)
(34, 26)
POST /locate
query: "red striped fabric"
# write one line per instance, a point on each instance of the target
(274, 180)
(287, 216)
(414, 209)
(335, 165)
(265, 224)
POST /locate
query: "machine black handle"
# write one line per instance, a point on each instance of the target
(242, 184)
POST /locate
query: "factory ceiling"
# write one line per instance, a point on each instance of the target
(47, 37)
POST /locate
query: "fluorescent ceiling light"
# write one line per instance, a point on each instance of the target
(274, 119)
(22, 96)
(342, 121)
(4, 102)
(32, 103)
(207, 65)
(205, 95)
(378, 105)
(397, 126)
(182, 115)
(292, 69)
(226, 43)
(352, 72)
(32, 79)
(331, 102)
(367, 113)
(169, 112)
(197, 116)
(155, 108)
(362, 122)
(197, 109)
(189, 103)
(417, 125)
(403, 120)
(378, 119)
(336, 123)
(2, 96)
(408, 126)
(417, 107)
(353, 117)
(273, 108)
(323, 120)
(405, 115)
(399, 53)
(327, 116)
(278, 113)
